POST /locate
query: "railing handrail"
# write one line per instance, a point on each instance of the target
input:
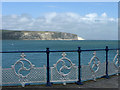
(57, 51)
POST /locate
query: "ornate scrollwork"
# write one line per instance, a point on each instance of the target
(22, 68)
(64, 65)
(94, 65)
(116, 61)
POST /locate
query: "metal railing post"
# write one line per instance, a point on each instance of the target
(106, 62)
(48, 68)
(79, 66)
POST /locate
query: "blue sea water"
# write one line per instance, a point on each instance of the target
(39, 59)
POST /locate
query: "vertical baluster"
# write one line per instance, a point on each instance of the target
(48, 67)
(79, 66)
(107, 62)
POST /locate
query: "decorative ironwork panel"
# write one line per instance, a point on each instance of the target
(116, 61)
(22, 73)
(111, 68)
(88, 75)
(64, 70)
(38, 74)
(9, 77)
(22, 67)
(94, 65)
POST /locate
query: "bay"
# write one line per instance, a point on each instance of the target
(39, 59)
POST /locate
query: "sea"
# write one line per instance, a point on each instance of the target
(39, 59)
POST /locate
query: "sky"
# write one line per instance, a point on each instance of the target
(89, 20)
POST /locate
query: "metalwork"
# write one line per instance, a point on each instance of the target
(32, 73)
(61, 75)
(107, 62)
(48, 67)
(23, 68)
(37, 75)
(93, 60)
(49, 74)
(116, 61)
(64, 66)
(79, 66)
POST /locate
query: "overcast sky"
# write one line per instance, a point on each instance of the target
(89, 20)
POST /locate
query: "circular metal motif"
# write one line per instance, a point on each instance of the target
(22, 66)
(94, 63)
(116, 60)
(64, 65)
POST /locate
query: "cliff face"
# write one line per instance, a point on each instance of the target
(37, 35)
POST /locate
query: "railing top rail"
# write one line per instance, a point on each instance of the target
(57, 51)
(23, 52)
(100, 49)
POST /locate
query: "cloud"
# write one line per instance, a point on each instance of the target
(104, 15)
(50, 16)
(92, 15)
(90, 26)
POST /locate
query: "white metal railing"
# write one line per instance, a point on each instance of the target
(67, 72)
